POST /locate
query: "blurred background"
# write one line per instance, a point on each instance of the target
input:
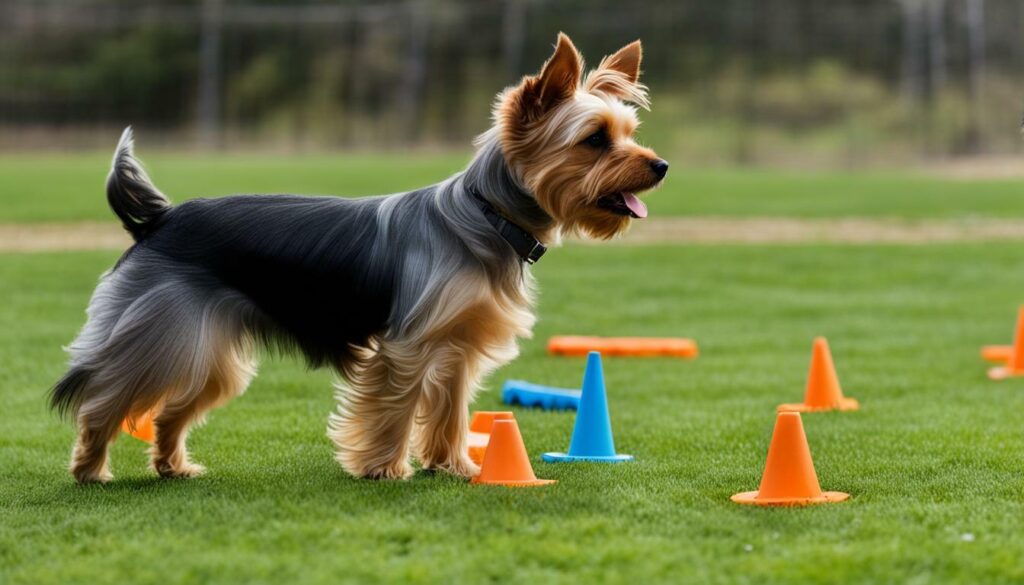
(842, 168)
(843, 83)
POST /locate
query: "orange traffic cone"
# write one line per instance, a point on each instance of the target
(1011, 355)
(480, 432)
(823, 390)
(789, 478)
(506, 462)
(140, 427)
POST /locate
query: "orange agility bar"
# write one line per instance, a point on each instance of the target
(575, 345)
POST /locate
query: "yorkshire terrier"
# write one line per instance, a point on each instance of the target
(412, 298)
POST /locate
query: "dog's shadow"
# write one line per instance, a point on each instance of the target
(131, 491)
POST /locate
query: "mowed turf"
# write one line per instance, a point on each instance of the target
(70, 187)
(933, 459)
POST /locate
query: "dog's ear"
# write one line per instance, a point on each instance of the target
(557, 81)
(619, 75)
(626, 61)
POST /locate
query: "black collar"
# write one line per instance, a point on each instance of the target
(526, 246)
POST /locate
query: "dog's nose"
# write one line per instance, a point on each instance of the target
(660, 167)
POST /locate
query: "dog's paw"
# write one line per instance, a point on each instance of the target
(85, 476)
(461, 467)
(181, 471)
(400, 470)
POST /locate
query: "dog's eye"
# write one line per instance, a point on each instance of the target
(597, 140)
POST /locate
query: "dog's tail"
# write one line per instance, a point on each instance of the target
(131, 194)
(67, 394)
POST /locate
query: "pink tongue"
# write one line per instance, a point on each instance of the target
(635, 205)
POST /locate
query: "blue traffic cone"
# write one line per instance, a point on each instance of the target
(592, 437)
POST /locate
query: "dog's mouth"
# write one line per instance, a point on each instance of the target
(624, 203)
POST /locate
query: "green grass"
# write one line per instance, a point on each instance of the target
(70, 187)
(934, 454)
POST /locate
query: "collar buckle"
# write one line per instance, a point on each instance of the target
(535, 253)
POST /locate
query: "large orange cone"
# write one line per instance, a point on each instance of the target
(823, 390)
(1011, 355)
(506, 462)
(789, 478)
(140, 427)
(480, 432)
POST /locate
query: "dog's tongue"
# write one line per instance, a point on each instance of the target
(635, 205)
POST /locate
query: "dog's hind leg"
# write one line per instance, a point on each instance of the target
(160, 351)
(97, 387)
(232, 367)
(89, 460)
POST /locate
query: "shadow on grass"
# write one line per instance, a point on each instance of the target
(316, 482)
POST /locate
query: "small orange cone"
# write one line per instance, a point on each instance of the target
(823, 390)
(140, 427)
(1011, 355)
(789, 478)
(506, 462)
(480, 431)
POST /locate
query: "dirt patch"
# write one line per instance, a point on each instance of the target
(49, 237)
(46, 237)
(1009, 167)
(776, 230)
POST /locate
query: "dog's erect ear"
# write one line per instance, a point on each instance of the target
(557, 81)
(626, 61)
(619, 75)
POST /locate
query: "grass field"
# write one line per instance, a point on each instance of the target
(933, 459)
(70, 187)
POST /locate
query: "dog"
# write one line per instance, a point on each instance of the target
(411, 298)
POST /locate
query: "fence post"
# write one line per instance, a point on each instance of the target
(210, 101)
(975, 70)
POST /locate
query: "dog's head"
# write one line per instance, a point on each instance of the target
(569, 140)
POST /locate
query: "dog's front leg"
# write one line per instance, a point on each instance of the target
(373, 425)
(443, 413)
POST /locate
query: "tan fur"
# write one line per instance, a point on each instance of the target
(89, 460)
(541, 137)
(415, 391)
(233, 367)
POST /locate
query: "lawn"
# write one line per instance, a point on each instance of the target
(933, 460)
(70, 187)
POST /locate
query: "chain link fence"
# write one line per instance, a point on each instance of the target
(738, 81)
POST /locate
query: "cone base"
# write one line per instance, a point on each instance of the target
(1003, 372)
(999, 354)
(513, 483)
(845, 404)
(750, 498)
(565, 457)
